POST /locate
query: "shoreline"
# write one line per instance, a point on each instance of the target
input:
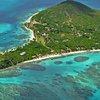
(59, 55)
(32, 36)
(29, 19)
(50, 57)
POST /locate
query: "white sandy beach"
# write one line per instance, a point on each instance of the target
(32, 36)
(28, 20)
(49, 57)
(32, 33)
(59, 55)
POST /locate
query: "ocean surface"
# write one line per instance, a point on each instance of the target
(13, 13)
(73, 77)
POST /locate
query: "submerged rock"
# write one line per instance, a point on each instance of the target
(81, 58)
(10, 73)
(58, 62)
(33, 67)
(69, 62)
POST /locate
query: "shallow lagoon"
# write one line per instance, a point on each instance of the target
(47, 80)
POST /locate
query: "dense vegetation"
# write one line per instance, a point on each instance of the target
(27, 52)
(68, 26)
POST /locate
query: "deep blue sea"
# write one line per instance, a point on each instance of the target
(14, 12)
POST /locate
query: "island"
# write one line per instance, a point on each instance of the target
(67, 27)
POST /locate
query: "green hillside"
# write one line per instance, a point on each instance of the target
(68, 26)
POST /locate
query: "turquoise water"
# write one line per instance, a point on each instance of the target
(73, 77)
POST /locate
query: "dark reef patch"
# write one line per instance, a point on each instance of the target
(6, 44)
(96, 64)
(35, 67)
(22, 36)
(80, 92)
(58, 62)
(12, 73)
(81, 58)
(69, 62)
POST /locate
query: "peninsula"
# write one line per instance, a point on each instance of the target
(67, 27)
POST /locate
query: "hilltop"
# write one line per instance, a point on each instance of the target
(68, 26)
